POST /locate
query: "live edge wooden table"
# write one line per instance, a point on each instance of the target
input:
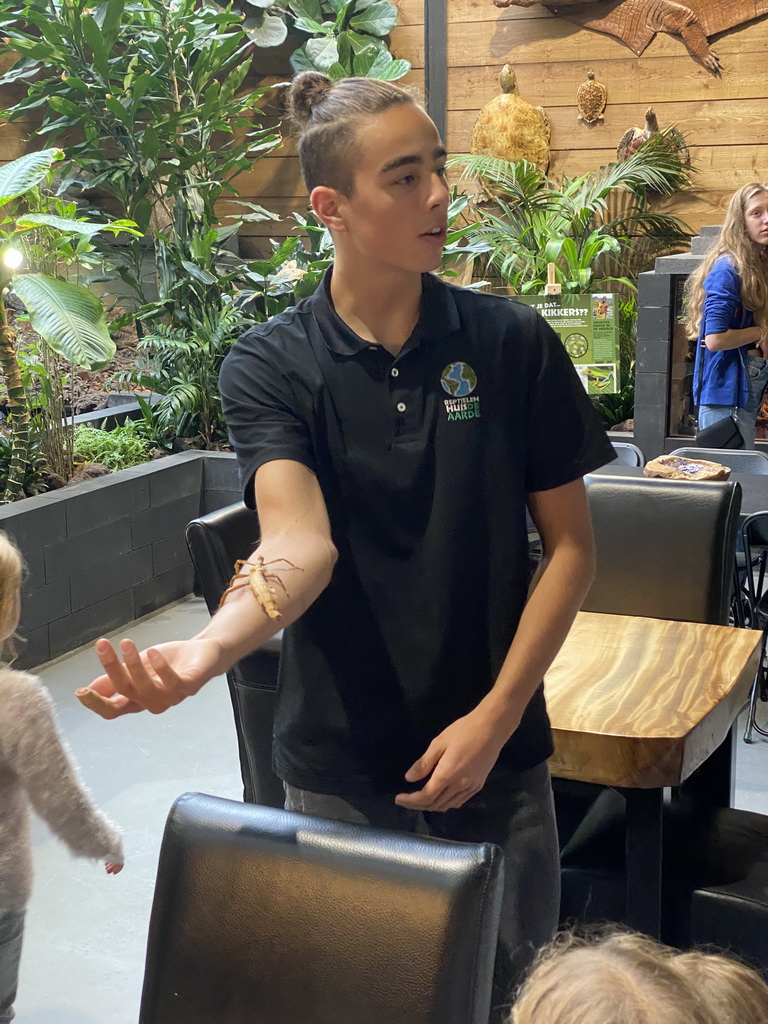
(638, 704)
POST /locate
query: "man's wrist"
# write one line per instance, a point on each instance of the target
(500, 714)
(222, 657)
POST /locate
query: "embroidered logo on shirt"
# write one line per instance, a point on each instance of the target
(460, 380)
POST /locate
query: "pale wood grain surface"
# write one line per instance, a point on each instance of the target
(643, 702)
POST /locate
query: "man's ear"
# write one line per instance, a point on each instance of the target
(326, 203)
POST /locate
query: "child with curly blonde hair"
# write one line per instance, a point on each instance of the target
(621, 978)
(36, 770)
(735, 993)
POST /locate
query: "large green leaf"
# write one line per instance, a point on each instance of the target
(311, 26)
(20, 175)
(65, 224)
(391, 71)
(379, 19)
(306, 9)
(323, 52)
(265, 29)
(68, 317)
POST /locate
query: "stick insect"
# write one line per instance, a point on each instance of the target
(260, 581)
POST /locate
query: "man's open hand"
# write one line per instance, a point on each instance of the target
(458, 762)
(152, 680)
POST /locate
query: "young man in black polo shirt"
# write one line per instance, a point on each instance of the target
(390, 431)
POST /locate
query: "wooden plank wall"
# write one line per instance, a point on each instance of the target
(725, 119)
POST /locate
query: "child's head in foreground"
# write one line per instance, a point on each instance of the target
(11, 573)
(623, 978)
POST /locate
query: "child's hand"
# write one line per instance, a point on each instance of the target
(113, 869)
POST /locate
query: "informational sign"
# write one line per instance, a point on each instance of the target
(588, 326)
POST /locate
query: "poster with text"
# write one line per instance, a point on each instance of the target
(588, 326)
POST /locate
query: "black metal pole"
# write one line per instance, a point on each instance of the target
(436, 61)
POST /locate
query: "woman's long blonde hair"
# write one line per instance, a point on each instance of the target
(616, 978)
(11, 575)
(748, 259)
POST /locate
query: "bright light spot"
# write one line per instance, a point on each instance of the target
(13, 258)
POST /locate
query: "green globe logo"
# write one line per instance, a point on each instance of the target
(458, 379)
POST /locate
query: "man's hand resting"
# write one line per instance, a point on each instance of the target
(458, 762)
(152, 680)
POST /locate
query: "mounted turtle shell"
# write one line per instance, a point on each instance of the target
(591, 98)
(510, 128)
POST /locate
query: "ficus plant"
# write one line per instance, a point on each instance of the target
(67, 316)
(347, 38)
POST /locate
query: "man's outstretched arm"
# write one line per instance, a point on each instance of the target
(294, 526)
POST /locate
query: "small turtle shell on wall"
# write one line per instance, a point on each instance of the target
(591, 98)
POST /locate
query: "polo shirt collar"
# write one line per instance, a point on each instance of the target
(438, 318)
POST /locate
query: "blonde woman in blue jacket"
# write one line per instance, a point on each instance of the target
(727, 311)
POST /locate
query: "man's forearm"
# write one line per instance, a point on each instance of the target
(242, 625)
(560, 588)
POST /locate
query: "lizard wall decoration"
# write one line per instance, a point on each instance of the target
(636, 22)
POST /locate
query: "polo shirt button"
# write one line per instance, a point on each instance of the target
(401, 406)
(395, 372)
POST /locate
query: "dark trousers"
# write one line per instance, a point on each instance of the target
(513, 810)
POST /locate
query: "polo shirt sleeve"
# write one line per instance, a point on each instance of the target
(722, 298)
(565, 435)
(262, 413)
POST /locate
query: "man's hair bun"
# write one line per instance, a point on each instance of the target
(307, 89)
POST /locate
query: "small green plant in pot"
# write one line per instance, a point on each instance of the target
(116, 449)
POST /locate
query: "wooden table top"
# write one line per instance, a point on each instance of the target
(643, 702)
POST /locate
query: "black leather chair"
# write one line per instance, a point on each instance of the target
(627, 454)
(263, 916)
(215, 542)
(665, 549)
(734, 916)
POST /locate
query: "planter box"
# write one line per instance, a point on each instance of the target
(102, 553)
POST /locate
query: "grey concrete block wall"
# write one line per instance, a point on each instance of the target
(110, 550)
(654, 324)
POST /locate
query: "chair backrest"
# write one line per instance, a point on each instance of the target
(627, 454)
(738, 460)
(215, 542)
(263, 916)
(665, 548)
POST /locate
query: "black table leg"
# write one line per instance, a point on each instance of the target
(713, 784)
(643, 859)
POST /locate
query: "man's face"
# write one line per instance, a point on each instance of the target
(397, 216)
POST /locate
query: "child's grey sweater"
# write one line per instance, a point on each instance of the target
(36, 769)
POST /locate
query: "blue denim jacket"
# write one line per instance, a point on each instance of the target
(720, 378)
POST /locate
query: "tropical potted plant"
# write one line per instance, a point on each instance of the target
(67, 316)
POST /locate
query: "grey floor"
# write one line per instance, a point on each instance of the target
(86, 932)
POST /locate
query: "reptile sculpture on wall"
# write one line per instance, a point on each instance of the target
(636, 22)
